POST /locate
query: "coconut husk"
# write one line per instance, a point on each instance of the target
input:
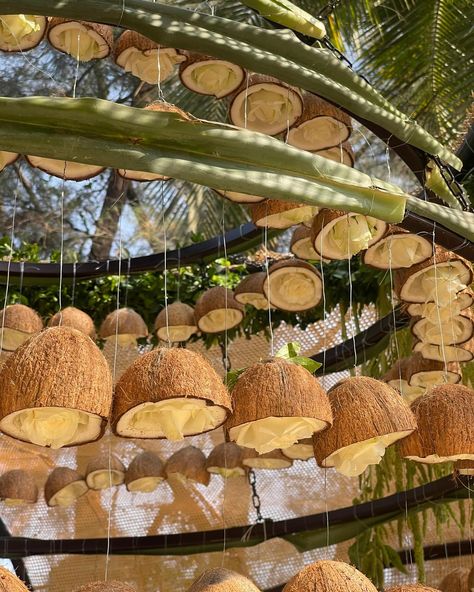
(32, 40)
(251, 284)
(411, 588)
(293, 265)
(190, 463)
(178, 314)
(464, 467)
(58, 479)
(219, 579)
(450, 353)
(301, 244)
(133, 39)
(259, 212)
(456, 580)
(21, 318)
(109, 586)
(398, 371)
(329, 575)
(106, 32)
(18, 485)
(315, 106)
(363, 408)
(226, 455)
(417, 363)
(74, 318)
(104, 462)
(62, 170)
(216, 298)
(124, 321)
(465, 320)
(343, 154)
(7, 158)
(369, 256)
(193, 59)
(470, 579)
(145, 464)
(10, 583)
(273, 460)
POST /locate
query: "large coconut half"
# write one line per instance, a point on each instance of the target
(340, 235)
(398, 249)
(452, 330)
(436, 313)
(17, 324)
(74, 318)
(226, 460)
(276, 213)
(397, 378)
(343, 153)
(7, 158)
(272, 460)
(369, 416)
(124, 325)
(175, 323)
(82, 40)
(329, 575)
(187, 465)
(242, 198)
(302, 450)
(144, 58)
(265, 104)
(10, 583)
(109, 586)
(65, 169)
(293, 285)
(169, 393)
(17, 487)
(457, 580)
(219, 579)
(64, 486)
(276, 404)
(447, 353)
(144, 473)
(210, 76)
(105, 470)
(21, 32)
(427, 373)
(217, 310)
(301, 244)
(250, 290)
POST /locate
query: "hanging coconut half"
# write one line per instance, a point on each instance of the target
(10, 583)
(465, 467)
(74, 318)
(7, 158)
(397, 378)
(411, 588)
(56, 390)
(340, 235)
(188, 465)
(109, 586)
(218, 310)
(210, 76)
(124, 325)
(457, 580)
(169, 393)
(105, 470)
(301, 244)
(344, 154)
(302, 450)
(64, 486)
(276, 213)
(250, 290)
(445, 353)
(144, 58)
(329, 575)
(21, 32)
(276, 404)
(436, 313)
(65, 169)
(226, 459)
(272, 460)
(17, 488)
(321, 125)
(237, 197)
(398, 249)
(452, 330)
(17, 324)
(175, 323)
(369, 416)
(219, 579)
(144, 473)
(82, 40)
(265, 104)
(293, 285)
(428, 373)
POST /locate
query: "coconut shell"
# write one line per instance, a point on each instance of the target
(251, 284)
(216, 298)
(74, 318)
(105, 462)
(189, 462)
(124, 321)
(197, 58)
(456, 580)
(145, 464)
(393, 230)
(418, 324)
(470, 580)
(19, 485)
(42, 164)
(290, 264)
(315, 106)
(227, 455)
(465, 467)
(303, 233)
(179, 314)
(329, 575)
(168, 373)
(22, 318)
(109, 586)
(30, 44)
(133, 39)
(250, 454)
(220, 579)
(104, 31)
(417, 363)
(270, 207)
(343, 154)
(398, 371)
(363, 408)
(10, 583)
(411, 588)
(8, 158)
(58, 479)
(453, 353)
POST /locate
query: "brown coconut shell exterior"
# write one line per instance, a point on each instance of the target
(259, 211)
(14, 156)
(190, 462)
(278, 388)
(251, 284)
(94, 171)
(346, 148)
(417, 363)
(104, 462)
(145, 464)
(325, 576)
(109, 586)
(226, 455)
(290, 263)
(363, 408)
(398, 370)
(250, 453)
(193, 58)
(167, 373)
(220, 579)
(467, 313)
(22, 318)
(59, 367)
(470, 579)
(75, 318)
(315, 106)
(124, 321)
(179, 313)
(416, 444)
(411, 588)
(58, 479)
(461, 465)
(392, 230)
(215, 298)
(456, 580)
(133, 39)
(10, 583)
(468, 347)
(18, 484)
(105, 31)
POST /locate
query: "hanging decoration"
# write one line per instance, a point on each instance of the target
(74, 318)
(398, 249)
(220, 579)
(343, 154)
(123, 326)
(456, 580)
(82, 40)
(250, 290)
(273, 460)
(64, 486)
(175, 323)
(206, 75)
(302, 450)
(105, 470)
(426, 373)
(109, 586)
(10, 583)
(218, 310)
(144, 473)
(18, 324)
(329, 575)
(187, 465)
(293, 285)
(7, 158)
(301, 244)
(21, 32)
(274, 213)
(226, 460)
(17, 488)
(65, 169)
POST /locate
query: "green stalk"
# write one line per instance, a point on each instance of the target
(461, 223)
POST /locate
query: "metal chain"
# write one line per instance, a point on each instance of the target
(452, 183)
(329, 8)
(252, 478)
(226, 363)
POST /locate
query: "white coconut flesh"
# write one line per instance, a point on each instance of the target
(15, 502)
(289, 218)
(124, 339)
(20, 31)
(433, 459)
(299, 451)
(432, 378)
(151, 65)
(81, 42)
(438, 284)
(436, 313)
(255, 299)
(226, 472)
(408, 392)
(212, 77)
(318, 133)
(54, 427)
(267, 463)
(103, 478)
(172, 419)
(176, 333)
(220, 319)
(452, 331)
(7, 158)
(11, 339)
(294, 288)
(144, 484)
(238, 197)
(141, 175)
(348, 235)
(64, 169)
(398, 251)
(181, 478)
(304, 250)
(337, 154)
(448, 353)
(272, 433)
(69, 494)
(353, 460)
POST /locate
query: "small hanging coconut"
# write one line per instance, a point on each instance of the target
(217, 310)
(10, 583)
(329, 575)
(397, 378)
(369, 416)
(7, 158)
(272, 460)
(109, 586)
(293, 285)
(456, 580)
(188, 465)
(453, 330)
(242, 198)
(436, 313)
(265, 104)
(465, 467)
(210, 76)
(219, 579)
(64, 486)
(176, 323)
(169, 393)
(398, 249)
(144, 473)
(448, 353)
(343, 154)
(276, 213)
(74, 318)
(321, 125)
(428, 373)
(65, 169)
(56, 390)
(105, 470)
(340, 235)
(17, 324)
(226, 460)
(82, 40)
(125, 325)
(276, 404)
(411, 588)
(302, 450)
(250, 290)
(301, 244)
(144, 58)
(21, 32)
(17, 487)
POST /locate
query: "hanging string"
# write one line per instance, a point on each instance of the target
(438, 313)
(61, 250)
(351, 315)
(165, 260)
(73, 292)
(76, 75)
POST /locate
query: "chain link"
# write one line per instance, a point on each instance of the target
(453, 184)
(252, 478)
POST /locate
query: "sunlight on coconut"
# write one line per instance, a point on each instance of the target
(152, 65)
